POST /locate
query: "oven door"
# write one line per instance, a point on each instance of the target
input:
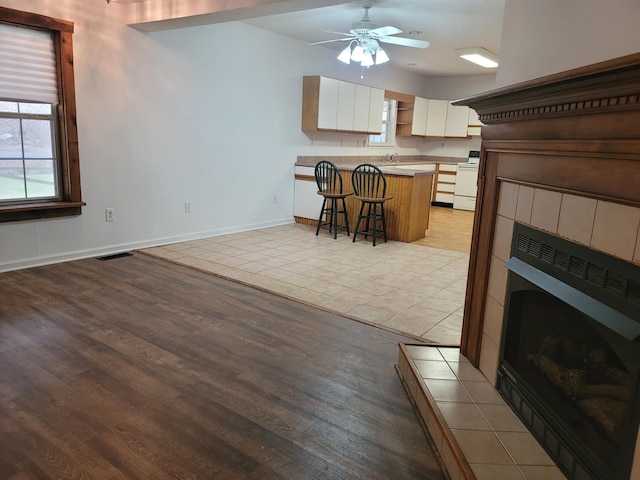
(466, 186)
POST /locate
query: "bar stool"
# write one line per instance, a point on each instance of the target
(329, 183)
(370, 187)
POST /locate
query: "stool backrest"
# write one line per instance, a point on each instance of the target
(328, 177)
(368, 181)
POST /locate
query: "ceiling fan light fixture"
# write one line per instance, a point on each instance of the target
(479, 56)
(345, 55)
(358, 53)
(381, 56)
(367, 61)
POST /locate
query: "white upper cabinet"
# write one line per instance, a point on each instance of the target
(361, 108)
(336, 105)
(346, 105)
(475, 125)
(437, 118)
(457, 121)
(376, 107)
(328, 103)
(420, 112)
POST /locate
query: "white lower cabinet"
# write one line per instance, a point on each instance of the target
(307, 203)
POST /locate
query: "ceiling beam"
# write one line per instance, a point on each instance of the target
(154, 16)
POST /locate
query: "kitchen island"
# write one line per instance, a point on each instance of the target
(407, 213)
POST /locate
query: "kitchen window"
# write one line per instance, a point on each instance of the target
(39, 160)
(387, 137)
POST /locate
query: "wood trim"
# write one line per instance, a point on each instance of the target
(480, 257)
(611, 85)
(305, 178)
(400, 97)
(573, 132)
(9, 15)
(67, 141)
(310, 103)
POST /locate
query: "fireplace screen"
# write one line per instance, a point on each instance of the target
(570, 362)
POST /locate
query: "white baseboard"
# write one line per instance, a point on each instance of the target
(128, 246)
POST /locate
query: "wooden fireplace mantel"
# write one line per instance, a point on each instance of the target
(573, 132)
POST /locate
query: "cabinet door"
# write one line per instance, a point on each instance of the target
(346, 105)
(307, 202)
(436, 118)
(420, 113)
(474, 120)
(361, 108)
(376, 107)
(457, 121)
(328, 103)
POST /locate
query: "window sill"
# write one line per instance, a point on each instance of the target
(37, 211)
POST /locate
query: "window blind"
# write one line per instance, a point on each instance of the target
(27, 65)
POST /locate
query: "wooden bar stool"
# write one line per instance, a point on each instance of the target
(334, 204)
(370, 187)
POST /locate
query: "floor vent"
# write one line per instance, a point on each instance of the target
(114, 256)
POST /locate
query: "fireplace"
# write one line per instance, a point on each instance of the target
(570, 355)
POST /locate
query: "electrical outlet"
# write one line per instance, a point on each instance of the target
(110, 214)
(187, 207)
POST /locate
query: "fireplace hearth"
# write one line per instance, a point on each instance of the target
(570, 357)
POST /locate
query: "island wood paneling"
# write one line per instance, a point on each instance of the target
(407, 213)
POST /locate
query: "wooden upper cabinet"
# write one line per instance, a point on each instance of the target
(338, 106)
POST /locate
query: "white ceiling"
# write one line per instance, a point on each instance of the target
(447, 24)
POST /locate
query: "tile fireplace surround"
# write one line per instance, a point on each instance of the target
(561, 154)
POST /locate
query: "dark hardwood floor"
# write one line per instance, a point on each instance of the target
(135, 368)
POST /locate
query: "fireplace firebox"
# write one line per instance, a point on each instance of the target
(570, 355)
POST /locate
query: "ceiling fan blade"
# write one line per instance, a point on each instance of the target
(384, 31)
(334, 40)
(405, 42)
(336, 33)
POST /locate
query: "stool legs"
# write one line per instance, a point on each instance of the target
(331, 209)
(322, 211)
(371, 221)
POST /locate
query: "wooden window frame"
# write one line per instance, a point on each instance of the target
(70, 203)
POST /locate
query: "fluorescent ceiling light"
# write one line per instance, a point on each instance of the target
(479, 56)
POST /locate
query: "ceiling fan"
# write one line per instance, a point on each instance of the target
(364, 40)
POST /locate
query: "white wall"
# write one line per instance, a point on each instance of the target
(209, 115)
(542, 37)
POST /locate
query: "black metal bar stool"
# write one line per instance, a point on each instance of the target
(370, 187)
(334, 203)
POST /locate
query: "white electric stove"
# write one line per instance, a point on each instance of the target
(464, 194)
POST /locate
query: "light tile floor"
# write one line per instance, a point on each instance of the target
(413, 289)
(491, 438)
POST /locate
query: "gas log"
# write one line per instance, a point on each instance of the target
(587, 377)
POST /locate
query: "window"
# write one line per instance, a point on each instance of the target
(28, 159)
(39, 161)
(387, 137)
